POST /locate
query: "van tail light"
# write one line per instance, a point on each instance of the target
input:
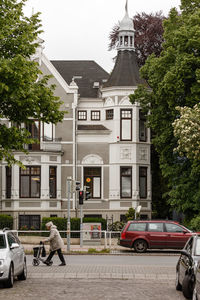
(123, 235)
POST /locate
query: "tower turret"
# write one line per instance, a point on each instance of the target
(126, 32)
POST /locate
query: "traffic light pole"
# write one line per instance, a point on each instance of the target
(69, 181)
(81, 226)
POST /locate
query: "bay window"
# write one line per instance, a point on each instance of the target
(30, 180)
(126, 182)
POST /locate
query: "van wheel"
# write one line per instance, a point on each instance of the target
(188, 286)
(10, 281)
(23, 275)
(140, 246)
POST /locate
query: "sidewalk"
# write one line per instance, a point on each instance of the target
(105, 267)
(77, 249)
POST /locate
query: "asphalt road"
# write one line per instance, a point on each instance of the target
(95, 277)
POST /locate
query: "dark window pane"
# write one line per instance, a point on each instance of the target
(35, 186)
(109, 114)
(52, 182)
(2, 241)
(143, 182)
(24, 186)
(126, 182)
(126, 187)
(29, 222)
(92, 179)
(8, 182)
(30, 182)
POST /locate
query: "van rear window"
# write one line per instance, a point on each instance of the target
(137, 227)
(2, 241)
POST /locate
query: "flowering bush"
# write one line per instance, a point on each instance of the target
(186, 129)
(24, 227)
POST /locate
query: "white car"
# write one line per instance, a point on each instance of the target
(12, 258)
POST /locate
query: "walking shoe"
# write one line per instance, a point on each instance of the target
(63, 264)
(48, 263)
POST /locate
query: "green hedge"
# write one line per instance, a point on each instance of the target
(61, 223)
(195, 224)
(6, 221)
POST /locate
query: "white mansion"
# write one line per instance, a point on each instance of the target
(102, 140)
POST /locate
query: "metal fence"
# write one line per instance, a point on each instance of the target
(84, 237)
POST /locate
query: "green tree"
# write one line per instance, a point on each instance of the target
(130, 215)
(24, 92)
(173, 81)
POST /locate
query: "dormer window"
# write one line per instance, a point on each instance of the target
(95, 115)
(109, 114)
(82, 115)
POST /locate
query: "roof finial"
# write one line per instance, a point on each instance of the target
(126, 7)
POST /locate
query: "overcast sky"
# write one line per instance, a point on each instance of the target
(79, 29)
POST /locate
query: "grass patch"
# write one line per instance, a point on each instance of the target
(93, 250)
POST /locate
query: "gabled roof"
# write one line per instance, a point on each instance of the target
(126, 71)
(89, 70)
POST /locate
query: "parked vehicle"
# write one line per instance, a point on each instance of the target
(196, 290)
(143, 235)
(186, 266)
(12, 258)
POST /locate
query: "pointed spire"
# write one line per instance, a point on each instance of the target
(126, 7)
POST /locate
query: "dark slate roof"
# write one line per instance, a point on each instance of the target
(125, 71)
(89, 70)
(92, 127)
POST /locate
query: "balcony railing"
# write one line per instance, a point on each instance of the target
(51, 145)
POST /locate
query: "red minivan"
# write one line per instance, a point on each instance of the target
(143, 235)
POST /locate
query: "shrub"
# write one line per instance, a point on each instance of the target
(195, 224)
(116, 226)
(6, 221)
(61, 223)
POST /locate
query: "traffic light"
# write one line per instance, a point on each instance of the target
(77, 187)
(87, 193)
(81, 197)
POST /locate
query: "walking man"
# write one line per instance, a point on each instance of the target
(56, 244)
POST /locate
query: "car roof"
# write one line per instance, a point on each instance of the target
(155, 221)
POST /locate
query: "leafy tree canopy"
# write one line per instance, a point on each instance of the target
(24, 91)
(173, 80)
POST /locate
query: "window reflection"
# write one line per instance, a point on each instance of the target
(47, 131)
